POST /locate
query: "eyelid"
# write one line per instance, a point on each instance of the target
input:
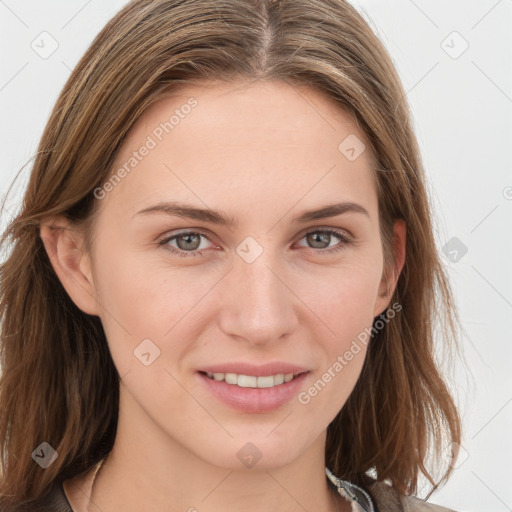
(340, 231)
(172, 235)
(345, 236)
(301, 234)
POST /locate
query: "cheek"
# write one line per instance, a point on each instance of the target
(344, 299)
(143, 300)
(160, 299)
(343, 316)
(140, 290)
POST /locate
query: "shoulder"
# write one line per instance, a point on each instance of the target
(388, 499)
(54, 501)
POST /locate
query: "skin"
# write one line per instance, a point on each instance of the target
(261, 152)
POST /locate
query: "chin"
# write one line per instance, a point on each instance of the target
(239, 454)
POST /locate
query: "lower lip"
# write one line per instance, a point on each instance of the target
(254, 400)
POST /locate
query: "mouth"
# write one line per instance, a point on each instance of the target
(253, 381)
(251, 393)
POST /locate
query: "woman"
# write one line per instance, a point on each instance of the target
(223, 280)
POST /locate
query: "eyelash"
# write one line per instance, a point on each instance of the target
(345, 240)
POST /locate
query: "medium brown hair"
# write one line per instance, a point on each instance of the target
(59, 384)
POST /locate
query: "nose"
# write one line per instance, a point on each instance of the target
(258, 305)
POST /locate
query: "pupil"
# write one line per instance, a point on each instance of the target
(316, 236)
(188, 237)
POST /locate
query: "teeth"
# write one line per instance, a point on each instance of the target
(279, 378)
(250, 381)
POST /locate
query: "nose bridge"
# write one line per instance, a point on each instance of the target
(261, 284)
(260, 308)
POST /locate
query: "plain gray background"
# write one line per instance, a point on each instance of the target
(454, 59)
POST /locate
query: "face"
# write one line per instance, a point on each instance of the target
(180, 293)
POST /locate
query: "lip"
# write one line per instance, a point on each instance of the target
(254, 370)
(253, 400)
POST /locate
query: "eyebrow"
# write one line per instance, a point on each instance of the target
(219, 217)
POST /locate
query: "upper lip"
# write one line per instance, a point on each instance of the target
(255, 370)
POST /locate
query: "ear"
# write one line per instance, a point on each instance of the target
(64, 245)
(390, 275)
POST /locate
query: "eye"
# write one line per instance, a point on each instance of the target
(188, 243)
(321, 237)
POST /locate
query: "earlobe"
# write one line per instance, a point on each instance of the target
(390, 278)
(64, 245)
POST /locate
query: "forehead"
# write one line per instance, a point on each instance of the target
(265, 139)
(260, 111)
